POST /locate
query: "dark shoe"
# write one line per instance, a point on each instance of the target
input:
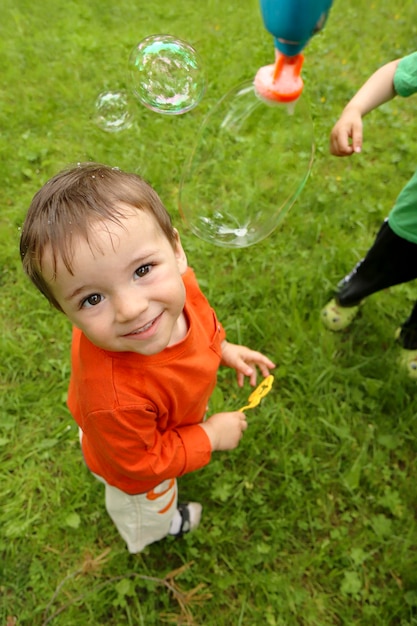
(190, 517)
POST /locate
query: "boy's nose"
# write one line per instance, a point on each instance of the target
(129, 307)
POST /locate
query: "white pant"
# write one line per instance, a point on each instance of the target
(144, 518)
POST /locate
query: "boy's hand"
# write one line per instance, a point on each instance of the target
(346, 136)
(244, 361)
(225, 430)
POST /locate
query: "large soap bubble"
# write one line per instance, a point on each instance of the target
(112, 111)
(166, 74)
(248, 165)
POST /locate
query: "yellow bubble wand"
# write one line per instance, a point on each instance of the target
(260, 392)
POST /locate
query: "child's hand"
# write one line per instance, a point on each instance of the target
(225, 430)
(346, 136)
(244, 361)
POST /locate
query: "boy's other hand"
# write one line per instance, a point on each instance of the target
(244, 361)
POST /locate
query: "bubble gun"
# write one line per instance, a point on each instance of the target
(292, 23)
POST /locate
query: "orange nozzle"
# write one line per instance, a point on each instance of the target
(281, 82)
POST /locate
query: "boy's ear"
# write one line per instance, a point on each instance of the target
(180, 254)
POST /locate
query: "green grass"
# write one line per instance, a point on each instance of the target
(312, 520)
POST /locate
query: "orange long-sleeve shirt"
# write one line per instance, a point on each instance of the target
(140, 414)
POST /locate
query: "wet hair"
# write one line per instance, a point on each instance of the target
(70, 203)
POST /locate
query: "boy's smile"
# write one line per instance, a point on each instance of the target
(126, 292)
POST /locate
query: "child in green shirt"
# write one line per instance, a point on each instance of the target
(392, 259)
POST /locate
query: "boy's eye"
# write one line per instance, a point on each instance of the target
(92, 300)
(143, 270)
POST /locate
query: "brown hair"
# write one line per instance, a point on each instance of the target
(70, 202)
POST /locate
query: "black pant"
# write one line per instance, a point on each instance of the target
(390, 261)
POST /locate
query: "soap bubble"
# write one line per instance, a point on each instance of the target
(112, 111)
(248, 165)
(166, 74)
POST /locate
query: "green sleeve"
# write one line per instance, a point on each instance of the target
(405, 77)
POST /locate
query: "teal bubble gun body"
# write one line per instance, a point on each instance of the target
(292, 23)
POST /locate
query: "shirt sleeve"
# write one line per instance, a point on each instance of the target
(405, 77)
(127, 446)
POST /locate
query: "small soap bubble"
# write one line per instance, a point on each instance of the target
(166, 75)
(248, 165)
(112, 112)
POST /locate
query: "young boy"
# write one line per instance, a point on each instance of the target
(393, 257)
(100, 246)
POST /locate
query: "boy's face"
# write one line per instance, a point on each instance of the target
(126, 293)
